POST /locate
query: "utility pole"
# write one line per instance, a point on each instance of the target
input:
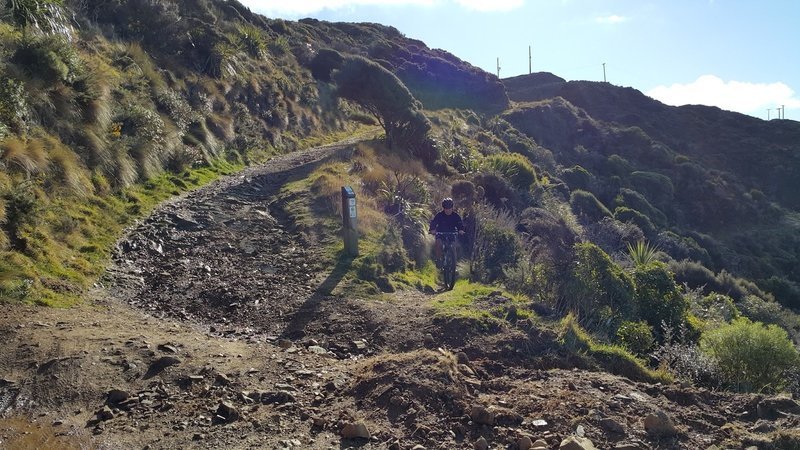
(530, 61)
(783, 111)
(498, 67)
(768, 110)
(604, 72)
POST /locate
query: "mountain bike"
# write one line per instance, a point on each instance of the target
(448, 267)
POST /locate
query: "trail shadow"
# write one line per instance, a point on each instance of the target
(308, 310)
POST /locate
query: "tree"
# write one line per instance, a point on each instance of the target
(381, 93)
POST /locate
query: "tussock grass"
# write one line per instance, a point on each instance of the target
(21, 156)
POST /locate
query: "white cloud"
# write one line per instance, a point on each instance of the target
(611, 20)
(743, 97)
(296, 8)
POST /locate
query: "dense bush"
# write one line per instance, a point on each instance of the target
(655, 186)
(636, 337)
(657, 297)
(587, 206)
(578, 178)
(324, 63)
(612, 235)
(786, 292)
(634, 200)
(598, 290)
(515, 168)
(496, 246)
(497, 191)
(628, 215)
(751, 357)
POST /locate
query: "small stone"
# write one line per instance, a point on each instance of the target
(317, 349)
(355, 430)
(576, 443)
(116, 396)
(105, 413)
(167, 348)
(539, 423)
(524, 443)
(481, 415)
(481, 444)
(540, 444)
(659, 424)
(227, 412)
(611, 426)
(429, 340)
(462, 358)
(222, 379)
(284, 343)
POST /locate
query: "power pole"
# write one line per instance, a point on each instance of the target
(530, 61)
(604, 72)
(498, 67)
(783, 111)
(768, 110)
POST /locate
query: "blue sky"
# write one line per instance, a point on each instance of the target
(735, 54)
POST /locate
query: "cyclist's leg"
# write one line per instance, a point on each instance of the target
(437, 252)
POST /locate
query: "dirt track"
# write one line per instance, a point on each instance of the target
(216, 329)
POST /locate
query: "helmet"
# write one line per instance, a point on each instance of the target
(447, 203)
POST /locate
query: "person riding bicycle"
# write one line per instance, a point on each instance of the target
(445, 221)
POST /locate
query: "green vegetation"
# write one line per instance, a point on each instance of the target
(704, 231)
(482, 303)
(611, 358)
(750, 356)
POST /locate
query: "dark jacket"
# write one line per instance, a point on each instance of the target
(446, 223)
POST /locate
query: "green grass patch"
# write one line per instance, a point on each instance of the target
(483, 303)
(611, 358)
(68, 240)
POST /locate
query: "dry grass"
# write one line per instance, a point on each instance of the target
(65, 168)
(28, 157)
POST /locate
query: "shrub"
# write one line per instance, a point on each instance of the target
(13, 106)
(682, 357)
(612, 235)
(751, 357)
(716, 308)
(578, 178)
(497, 191)
(634, 200)
(50, 58)
(612, 358)
(636, 337)
(786, 292)
(628, 215)
(586, 205)
(618, 166)
(657, 297)
(656, 187)
(496, 246)
(596, 286)
(514, 167)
